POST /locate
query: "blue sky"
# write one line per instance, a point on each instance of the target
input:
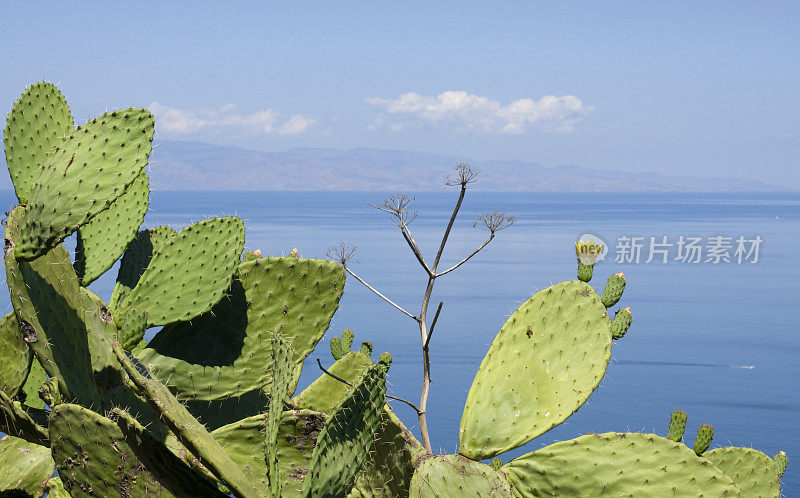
(689, 88)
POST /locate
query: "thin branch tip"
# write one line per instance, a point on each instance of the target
(463, 176)
(494, 222)
(342, 253)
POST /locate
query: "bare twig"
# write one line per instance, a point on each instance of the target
(464, 175)
(373, 289)
(493, 222)
(412, 405)
(433, 323)
(473, 253)
(341, 254)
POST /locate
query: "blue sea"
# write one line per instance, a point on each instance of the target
(719, 341)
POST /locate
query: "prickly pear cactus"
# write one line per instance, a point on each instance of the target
(39, 121)
(703, 440)
(548, 358)
(613, 291)
(16, 356)
(621, 323)
(25, 466)
(754, 472)
(617, 464)
(455, 475)
(677, 425)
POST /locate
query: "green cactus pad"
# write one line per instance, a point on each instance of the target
(389, 467)
(385, 360)
(190, 273)
(754, 472)
(49, 393)
(25, 466)
(297, 435)
(16, 356)
(347, 341)
(455, 475)
(227, 352)
(83, 175)
(542, 366)
(622, 321)
(366, 348)
(282, 381)
(347, 437)
(780, 462)
(616, 464)
(132, 327)
(135, 261)
(613, 291)
(336, 348)
(93, 458)
(103, 239)
(39, 120)
(703, 440)
(325, 393)
(29, 395)
(189, 431)
(677, 426)
(28, 424)
(55, 488)
(46, 298)
(172, 472)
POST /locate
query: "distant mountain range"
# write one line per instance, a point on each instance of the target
(200, 166)
(178, 165)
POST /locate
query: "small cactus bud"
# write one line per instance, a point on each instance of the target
(704, 436)
(613, 291)
(347, 340)
(677, 425)
(336, 348)
(496, 463)
(587, 252)
(385, 360)
(780, 462)
(622, 321)
(366, 348)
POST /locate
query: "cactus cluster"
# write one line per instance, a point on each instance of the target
(207, 407)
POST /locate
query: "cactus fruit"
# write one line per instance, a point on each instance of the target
(39, 120)
(455, 475)
(366, 348)
(336, 348)
(677, 426)
(385, 360)
(496, 463)
(613, 291)
(542, 366)
(615, 464)
(102, 240)
(587, 252)
(135, 261)
(705, 433)
(347, 437)
(26, 466)
(621, 322)
(226, 352)
(780, 462)
(190, 273)
(347, 340)
(82, 176)
(754, 472)
(16, 356)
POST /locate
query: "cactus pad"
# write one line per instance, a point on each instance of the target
(55, 488)
(26, 466)
(93, 458)
(282, 382)
(677, 426)
(39, 120)
(336, 348)
(46, 297)
(189, 431)
(325, 393)
(754, 472)
(83, 175)
(190, 273)
(617, 464)
(103, 239)
(16, 356)
(347, 437)
(134, 262)
(548, 358)
(347, 340)
(780, 462)
(455, 475)
(227, 352)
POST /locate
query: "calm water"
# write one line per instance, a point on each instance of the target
(720, 341)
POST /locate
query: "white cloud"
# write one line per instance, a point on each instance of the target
(467, 112)
(227, 120)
